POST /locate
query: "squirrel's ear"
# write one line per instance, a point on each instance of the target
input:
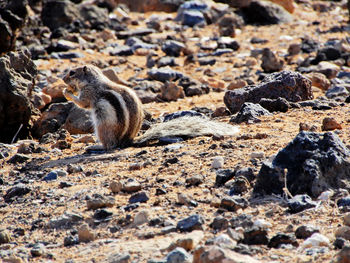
(85, 69)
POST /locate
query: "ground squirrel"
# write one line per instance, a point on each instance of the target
(117, 112)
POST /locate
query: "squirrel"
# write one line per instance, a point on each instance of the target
(117, 112)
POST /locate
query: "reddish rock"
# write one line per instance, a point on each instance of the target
(319, 80)
(330, 124)
(286, 4)
(55, 90)
(171, 92)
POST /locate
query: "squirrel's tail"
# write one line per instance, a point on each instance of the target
(188, 126)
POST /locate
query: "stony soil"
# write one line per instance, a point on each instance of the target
(27, 218)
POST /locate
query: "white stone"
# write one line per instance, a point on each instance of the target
(218, 162)
(286, 38)
(316, 240)
(141, 218)
(262, 224)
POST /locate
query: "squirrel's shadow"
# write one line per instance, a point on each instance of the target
(39, 164)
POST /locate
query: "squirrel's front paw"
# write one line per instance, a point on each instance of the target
(68, 94)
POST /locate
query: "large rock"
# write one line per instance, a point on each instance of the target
(238, 3)
(152, 5)
(7, 40)
(312, 164)
(97, 17)
(59, 13)
(65, 14)
(265, 13)
(12, 17)
(285, 84)
(17, 77)
(52, 119)
(78, 121)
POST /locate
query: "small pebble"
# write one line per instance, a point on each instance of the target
(218, 162)
(330, 124)
(132, 186)
(116, 186)
(257, 155)
(140, 197)
(4, 237)
(141, 217)
(194, 222)
(195, 180)
(85, 234)
(99, 201)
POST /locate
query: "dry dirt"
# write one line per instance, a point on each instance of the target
(47, 200)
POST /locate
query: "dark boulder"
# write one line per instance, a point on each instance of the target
(97, 17)
(193, 222)
(282, 239)
(173, 48)
(265, 13)
(52, 118)
(285, 84)
(312, 163)
(17, 77)
(12, 18)
(255, 236)
(78, 121)
(237, 3)
(59, 13)
(300, 203)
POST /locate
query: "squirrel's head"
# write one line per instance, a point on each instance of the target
(79, 77)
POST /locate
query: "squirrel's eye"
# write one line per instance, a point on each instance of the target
(71, 73)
